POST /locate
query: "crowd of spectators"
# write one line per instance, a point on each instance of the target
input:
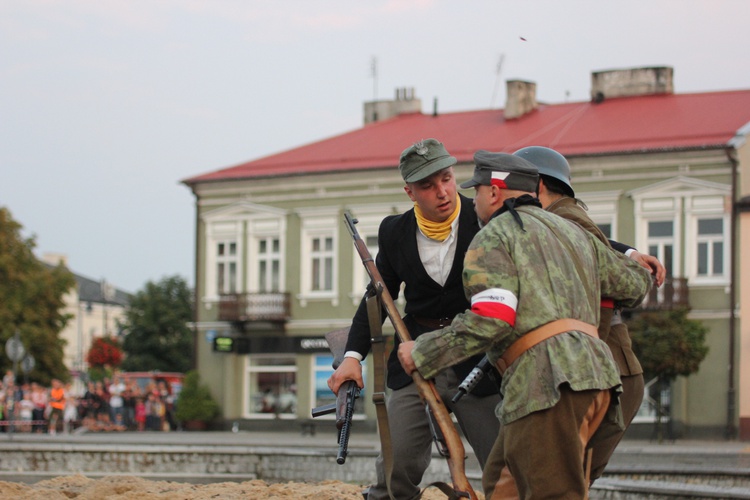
(106, 405)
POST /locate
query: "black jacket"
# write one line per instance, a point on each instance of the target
(398, 262)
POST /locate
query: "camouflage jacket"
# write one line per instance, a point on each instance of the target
(551, 269)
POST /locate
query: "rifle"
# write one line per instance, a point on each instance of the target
(344, 408)
(348, 393)
(427, 391)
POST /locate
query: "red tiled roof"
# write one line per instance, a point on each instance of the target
(621, 125)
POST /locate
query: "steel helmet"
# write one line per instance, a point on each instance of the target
(549, 162)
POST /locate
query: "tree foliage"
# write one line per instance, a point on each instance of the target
(156, 326)
(667, 343)
(32, 302)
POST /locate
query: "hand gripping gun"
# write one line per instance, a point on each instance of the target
(348, 393)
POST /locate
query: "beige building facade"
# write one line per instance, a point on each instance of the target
(276, 268)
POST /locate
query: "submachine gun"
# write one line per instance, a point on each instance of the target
(444, 432)
(484, 367)
(348, 393)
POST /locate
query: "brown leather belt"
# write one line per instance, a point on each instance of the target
(433, 323)
(532, 338)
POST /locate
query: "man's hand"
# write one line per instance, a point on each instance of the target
(651, 263)
(404, 356)
(349, 369)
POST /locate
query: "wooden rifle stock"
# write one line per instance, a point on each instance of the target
(456, 457)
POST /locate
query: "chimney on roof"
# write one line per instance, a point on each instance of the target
(405, 102)
(631, 82)
(520, 98)
(55, 259)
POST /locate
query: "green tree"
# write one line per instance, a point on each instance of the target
(668, 345)
(156, 326)
(32, 302)
(195, 402)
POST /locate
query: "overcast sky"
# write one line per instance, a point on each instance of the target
(105, 106)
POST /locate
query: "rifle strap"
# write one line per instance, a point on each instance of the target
(374, 309)
(451, 493)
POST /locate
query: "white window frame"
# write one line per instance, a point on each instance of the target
(222, 232)
(602, 209)
(251, 368)
(701, 208)
(238, 221)
(661, 208)
(264, 228)
(318, 224)
(229, 276)
(662, 241)
(684, 199)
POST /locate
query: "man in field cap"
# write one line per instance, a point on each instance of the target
(422, 159)
(534, 282)
(423, 248)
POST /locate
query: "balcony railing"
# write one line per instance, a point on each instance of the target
(672, 294)
(246, 307)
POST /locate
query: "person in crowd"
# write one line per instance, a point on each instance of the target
(423, 249)
(140, 414)
(26, 412)
(57, 405)
(40, 399)
(165, 393)
(535, 282)
(129, 396)
(116, 402)
(70, 414)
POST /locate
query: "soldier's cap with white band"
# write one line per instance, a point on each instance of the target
(503, 170)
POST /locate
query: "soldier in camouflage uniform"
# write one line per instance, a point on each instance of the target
(556, 195)
(534, 281)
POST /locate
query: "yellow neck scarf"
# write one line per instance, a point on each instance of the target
(438, 231)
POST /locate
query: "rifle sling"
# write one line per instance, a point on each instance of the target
(377, 339)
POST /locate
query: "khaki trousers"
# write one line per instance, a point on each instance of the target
(630, 402)
(542, 455)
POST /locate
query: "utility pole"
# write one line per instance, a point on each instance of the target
(498, 70)
(374, 74)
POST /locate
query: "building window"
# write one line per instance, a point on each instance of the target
(269, 265)
(318, 256)
(226, 267)
(661, 242)
(321, 258)
(710, 247)
(322, 368)
(606, 228)
(602, 210)
(272, 386)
